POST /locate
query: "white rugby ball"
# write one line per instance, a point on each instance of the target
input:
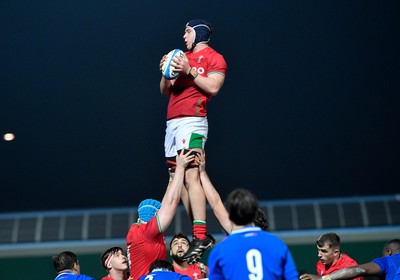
(167, 69)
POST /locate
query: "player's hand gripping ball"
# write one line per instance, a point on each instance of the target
(167, 69)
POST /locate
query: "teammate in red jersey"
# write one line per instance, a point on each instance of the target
(116, 264)
(331, 258)
(386, 267)
(179, 245)
(202, 74)
(145, 239)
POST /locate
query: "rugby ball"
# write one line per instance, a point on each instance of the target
(167, 69)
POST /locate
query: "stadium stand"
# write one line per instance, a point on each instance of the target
(365, 217)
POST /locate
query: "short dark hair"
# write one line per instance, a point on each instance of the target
(64, 260)
(331, 239)
(242, 206)
(107, 253)
(392, 245)
(161, 265)
(179, 235)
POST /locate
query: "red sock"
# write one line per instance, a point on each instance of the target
(199, 230)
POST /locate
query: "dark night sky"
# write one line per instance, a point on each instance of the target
(310, 106)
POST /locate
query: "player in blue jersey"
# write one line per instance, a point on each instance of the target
(67, 267)
(249, 252)
(163, 270)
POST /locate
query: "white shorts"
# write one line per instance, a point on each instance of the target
(185, 133)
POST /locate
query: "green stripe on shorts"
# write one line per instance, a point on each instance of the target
(196, 141)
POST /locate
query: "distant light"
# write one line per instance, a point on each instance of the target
(9, 136)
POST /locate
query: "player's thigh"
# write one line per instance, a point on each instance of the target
(170, 139)
(192, 133)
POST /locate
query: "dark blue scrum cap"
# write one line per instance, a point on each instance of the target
(202, 30)
(147, 209)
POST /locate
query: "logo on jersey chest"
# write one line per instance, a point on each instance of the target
(199, 70)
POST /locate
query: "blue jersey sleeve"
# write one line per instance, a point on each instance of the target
(383, 264)
(289, 269)
(215, 271)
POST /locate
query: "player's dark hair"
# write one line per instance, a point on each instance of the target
(64, 260)
(392, 246)
(161, 265)
(179, 235)
(107, 253)
(331, 239)
(261, 220)
(242, 206)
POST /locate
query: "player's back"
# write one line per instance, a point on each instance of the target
(251, 251)
(145, 244)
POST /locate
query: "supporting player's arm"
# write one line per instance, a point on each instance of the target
(368, 269)
(213, 197)
(172, 195)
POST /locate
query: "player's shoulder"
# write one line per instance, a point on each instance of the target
(346, 258)
(213, 53)
(212, 50)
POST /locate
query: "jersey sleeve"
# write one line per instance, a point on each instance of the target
(217, 65)
(151, 231)
(290, 270)
(382, 263)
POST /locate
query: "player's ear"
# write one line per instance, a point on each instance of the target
(77, 267)
(337, 251)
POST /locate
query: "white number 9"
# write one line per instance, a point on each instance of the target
(254, 264)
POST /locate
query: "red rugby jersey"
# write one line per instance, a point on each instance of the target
(193, 271)
(343, 262)
(145, 243)
(187, 99)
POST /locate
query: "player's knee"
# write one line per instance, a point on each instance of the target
(192, 176)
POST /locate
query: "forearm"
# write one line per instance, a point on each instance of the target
(173, 193)
(165, 87)
(171, 199)
(211, 193)
(215, 202)
(209, 85)
(346, 273)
